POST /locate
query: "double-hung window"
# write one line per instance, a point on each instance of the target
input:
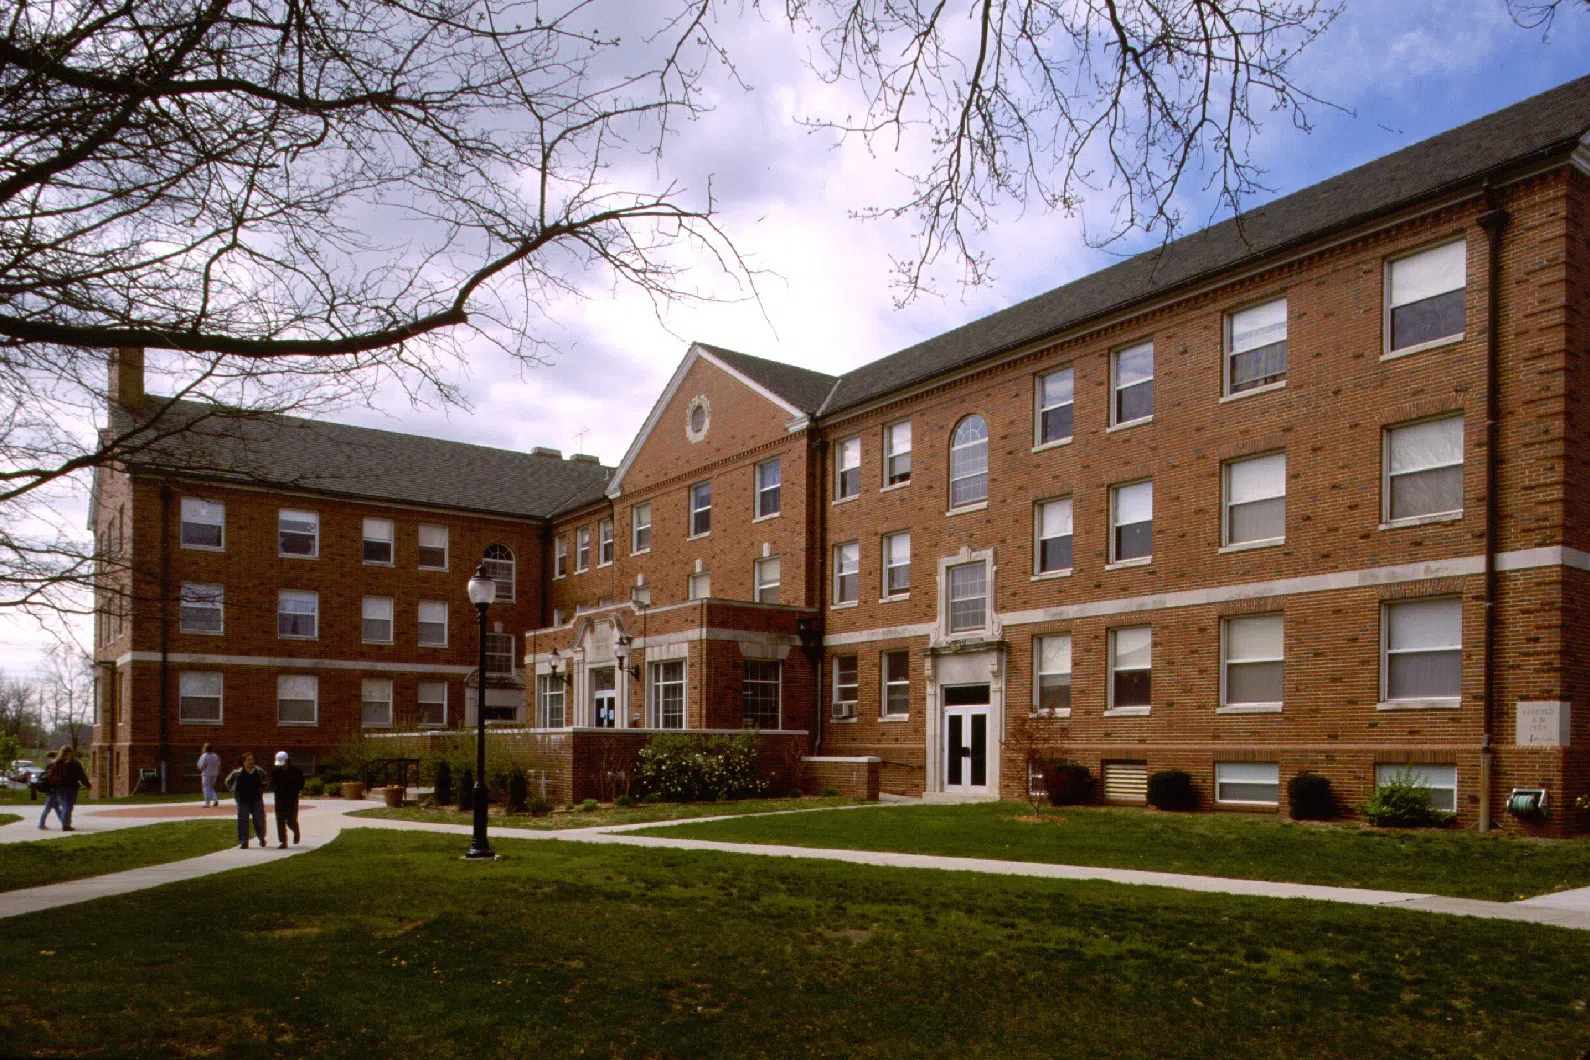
(499, 653)
(1132, 522)
(1422, 650)
(640, 528)
(1252, 662)
(297, 614)
(378, 537)
(1132, 384)
(560, 556)
(1131, 668)
(1055, 397)
(1439, 781)
(1424, 470)
(1256, 500)
(203, 524)
(298, 533)
(763, 684)
(550, 701)
(1052, 675)
(433, 548)
(668, 694)
(767, 580)
(968, 596)
(847, 572)
(769, 481)
(375, 703)
(1256, 347)
(604, 542)
(896, 667)
(897, 453)
(297, 699)
(1424, 297)
(500, 567)
(376, 621)
(1248, 783)
(201, 608)
(433, 624)
(700, 509)
(896, 564)
(700, 585)
(1052, 524)
(969, 462)
(845, 676)
(847, 468)
(199, 699)
(582, 549)
(432, 704)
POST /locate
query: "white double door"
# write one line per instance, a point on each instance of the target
(965, 745)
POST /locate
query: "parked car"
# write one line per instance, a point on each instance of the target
(22, 773)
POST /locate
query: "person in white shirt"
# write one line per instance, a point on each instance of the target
(209, 773)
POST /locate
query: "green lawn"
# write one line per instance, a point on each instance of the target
(385, 944)
(662, 811)
(1456, 863)
(7, 818)
(71, 858)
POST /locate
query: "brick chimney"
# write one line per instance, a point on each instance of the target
(127, 376)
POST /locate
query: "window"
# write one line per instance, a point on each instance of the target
(847, 468)
(700, 509)
(847, 572)
(433, 624)
(763, 682)
(1424, 297)
(767, 580)
(1423, 649)
(499, 563)
(604, 542)
(298, 533)
(1132, 520)
(769, 476)
(1256, 500)
(297, 700)
(1132, 384)
(203, 524)
(582, 549)
(1256, 346)
(1055, 393)
(969, 462)
(557, 616)
(1131, 659)
(640, 528)
(1439, 781)
(375, 625)
(297, 614)
(433, 704)
(560, 557)
(201, 608)
(1052, 669)
(499, 653)
(897, 453)
(1424, 469)
(433, 548)
(549, 702)
(668, 694)
(1252, 666)
(700, 587)
(1053, 525)
(378, 541)
(1248, 783)
(896, 564)
(896, 667)
(845, 685)
(199, 699)
(968, 597)
(375, 703)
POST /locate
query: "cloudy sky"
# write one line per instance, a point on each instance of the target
(1399, 70)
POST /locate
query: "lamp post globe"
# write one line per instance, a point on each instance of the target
(482, 591)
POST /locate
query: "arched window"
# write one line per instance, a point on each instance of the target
(969, 462)
(499, 568)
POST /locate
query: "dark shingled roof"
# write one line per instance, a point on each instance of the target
(1534, 130)
(801, 387)
(333, 458)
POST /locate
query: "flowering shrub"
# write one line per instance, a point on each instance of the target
(681, 767)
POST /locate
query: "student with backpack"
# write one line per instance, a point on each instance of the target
(42, 783)
(248, 783)
(64, 777)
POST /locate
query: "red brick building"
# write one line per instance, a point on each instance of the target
(1286, 495)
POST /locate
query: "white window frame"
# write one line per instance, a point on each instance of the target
(496, 566)
(765, 509)
(950, 599)
(390, 541)
(302, 595)
(420, 702)
(184, 694)
(638, 527)
(366, 684)
(845, 708)
(762, 584)
(1386, 437)
(847, 564)
(560, 556)
(1115, 524)
(495, 640)
(300, 515)
(1232, 353)
(205, 596)
(1226, 661)
(847, 462)
(654, 697)
(365, 616)
(1387, 353)
(1038, 510)
(887, 685)
(700, 512)
(699, 585)
(582, 549)
(893, 454)
(551, 689)
(420, 623)
(314, 684)
(420, 545)
(199, 506)
(1040, 386)
(1384, 771)
(1387, 609)
(1039, 673)
(1258, 773)
(890, 592)
(606, 543)
(1116, 386)
(956, 447)
(1227, 505)
(1115, 667)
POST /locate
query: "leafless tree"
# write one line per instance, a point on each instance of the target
(66, 695)
(19, 718)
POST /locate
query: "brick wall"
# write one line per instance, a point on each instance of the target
(854, 778)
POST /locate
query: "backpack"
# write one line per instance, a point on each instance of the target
(55, 776)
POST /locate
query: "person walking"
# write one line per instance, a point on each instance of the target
(209, 773)
(248, 783)
(50, 801)
(287, 780)
(65, 777)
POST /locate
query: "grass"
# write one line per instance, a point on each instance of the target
(7, 818)
(611, 815)
(386, 944)
(58, 860)
(1455, 863)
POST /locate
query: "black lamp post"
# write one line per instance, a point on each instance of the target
(482, 591)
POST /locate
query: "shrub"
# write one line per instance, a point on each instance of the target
(624, 800)
(1310, 797)
(1172, 789)
(314, 786)
(1067, 783)
(794, 793)
(538, 806)
(1402, 802)
(686, 767)
(829, 792)
(334, 790)
(466, 791)
(517, 791)
(444, 782)
(651, 797)
(590, 806)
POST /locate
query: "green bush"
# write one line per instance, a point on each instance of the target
(650, 798)
(517, 791)
(688, 767)
(466, 791)
(334, 789)
(624, 800)
(1402, 802)
(828, 792)
(1067, 783)
(1172, 789)
(538, 806)
(442, 771)
(1310, 797)
(794, 793)
(314, 786)
(590, 806)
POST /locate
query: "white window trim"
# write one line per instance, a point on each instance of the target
(833, 589)
(582, 533)
(390, 695)
(560, 557)
(691, 503)
(635, 527)
(418, 703)
(1039, 408)
(447, 546)
(1115, 362)
(1418, 702)
(221, 609)
(290, 555)
(757, 491)
(884, 682)
(991, 623)
(988, 465)
(757, 584)
(1256, 707)
(446, 624)
(884, 484)
(296, 636)
(316, 701)
(690, 585)
(1110, 709)
(1247, 802)
(1037, 676)
(202, 548)
(612, 540)
(1135, 561)
(390, 542)
(839, 470)
(1386, 352)
(654, 701)
(1038, 539)
(1227, 338)
(1226, 544)
(220, 702)
(391, 620)
(1451, 515)
(1423, 767)
(883, 546)
(833, 679)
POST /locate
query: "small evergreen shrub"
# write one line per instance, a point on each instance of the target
(686, 767)
(624, 800)
(314, 786)
(794, 793)
(1172, 789)
(590, 806)
(444, 783)
(1310, 797)
(1067, 784)
(538, 806)
(828, 792)
(517, 791)
(1402, 802)
(334, 790)
(650, 798)
(466, 791)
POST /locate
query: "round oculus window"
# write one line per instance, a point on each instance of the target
(698, 417)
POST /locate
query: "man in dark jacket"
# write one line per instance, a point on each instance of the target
(287, 780)
(248, 782)
(64, 777)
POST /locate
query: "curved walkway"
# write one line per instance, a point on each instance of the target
(323, 820)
